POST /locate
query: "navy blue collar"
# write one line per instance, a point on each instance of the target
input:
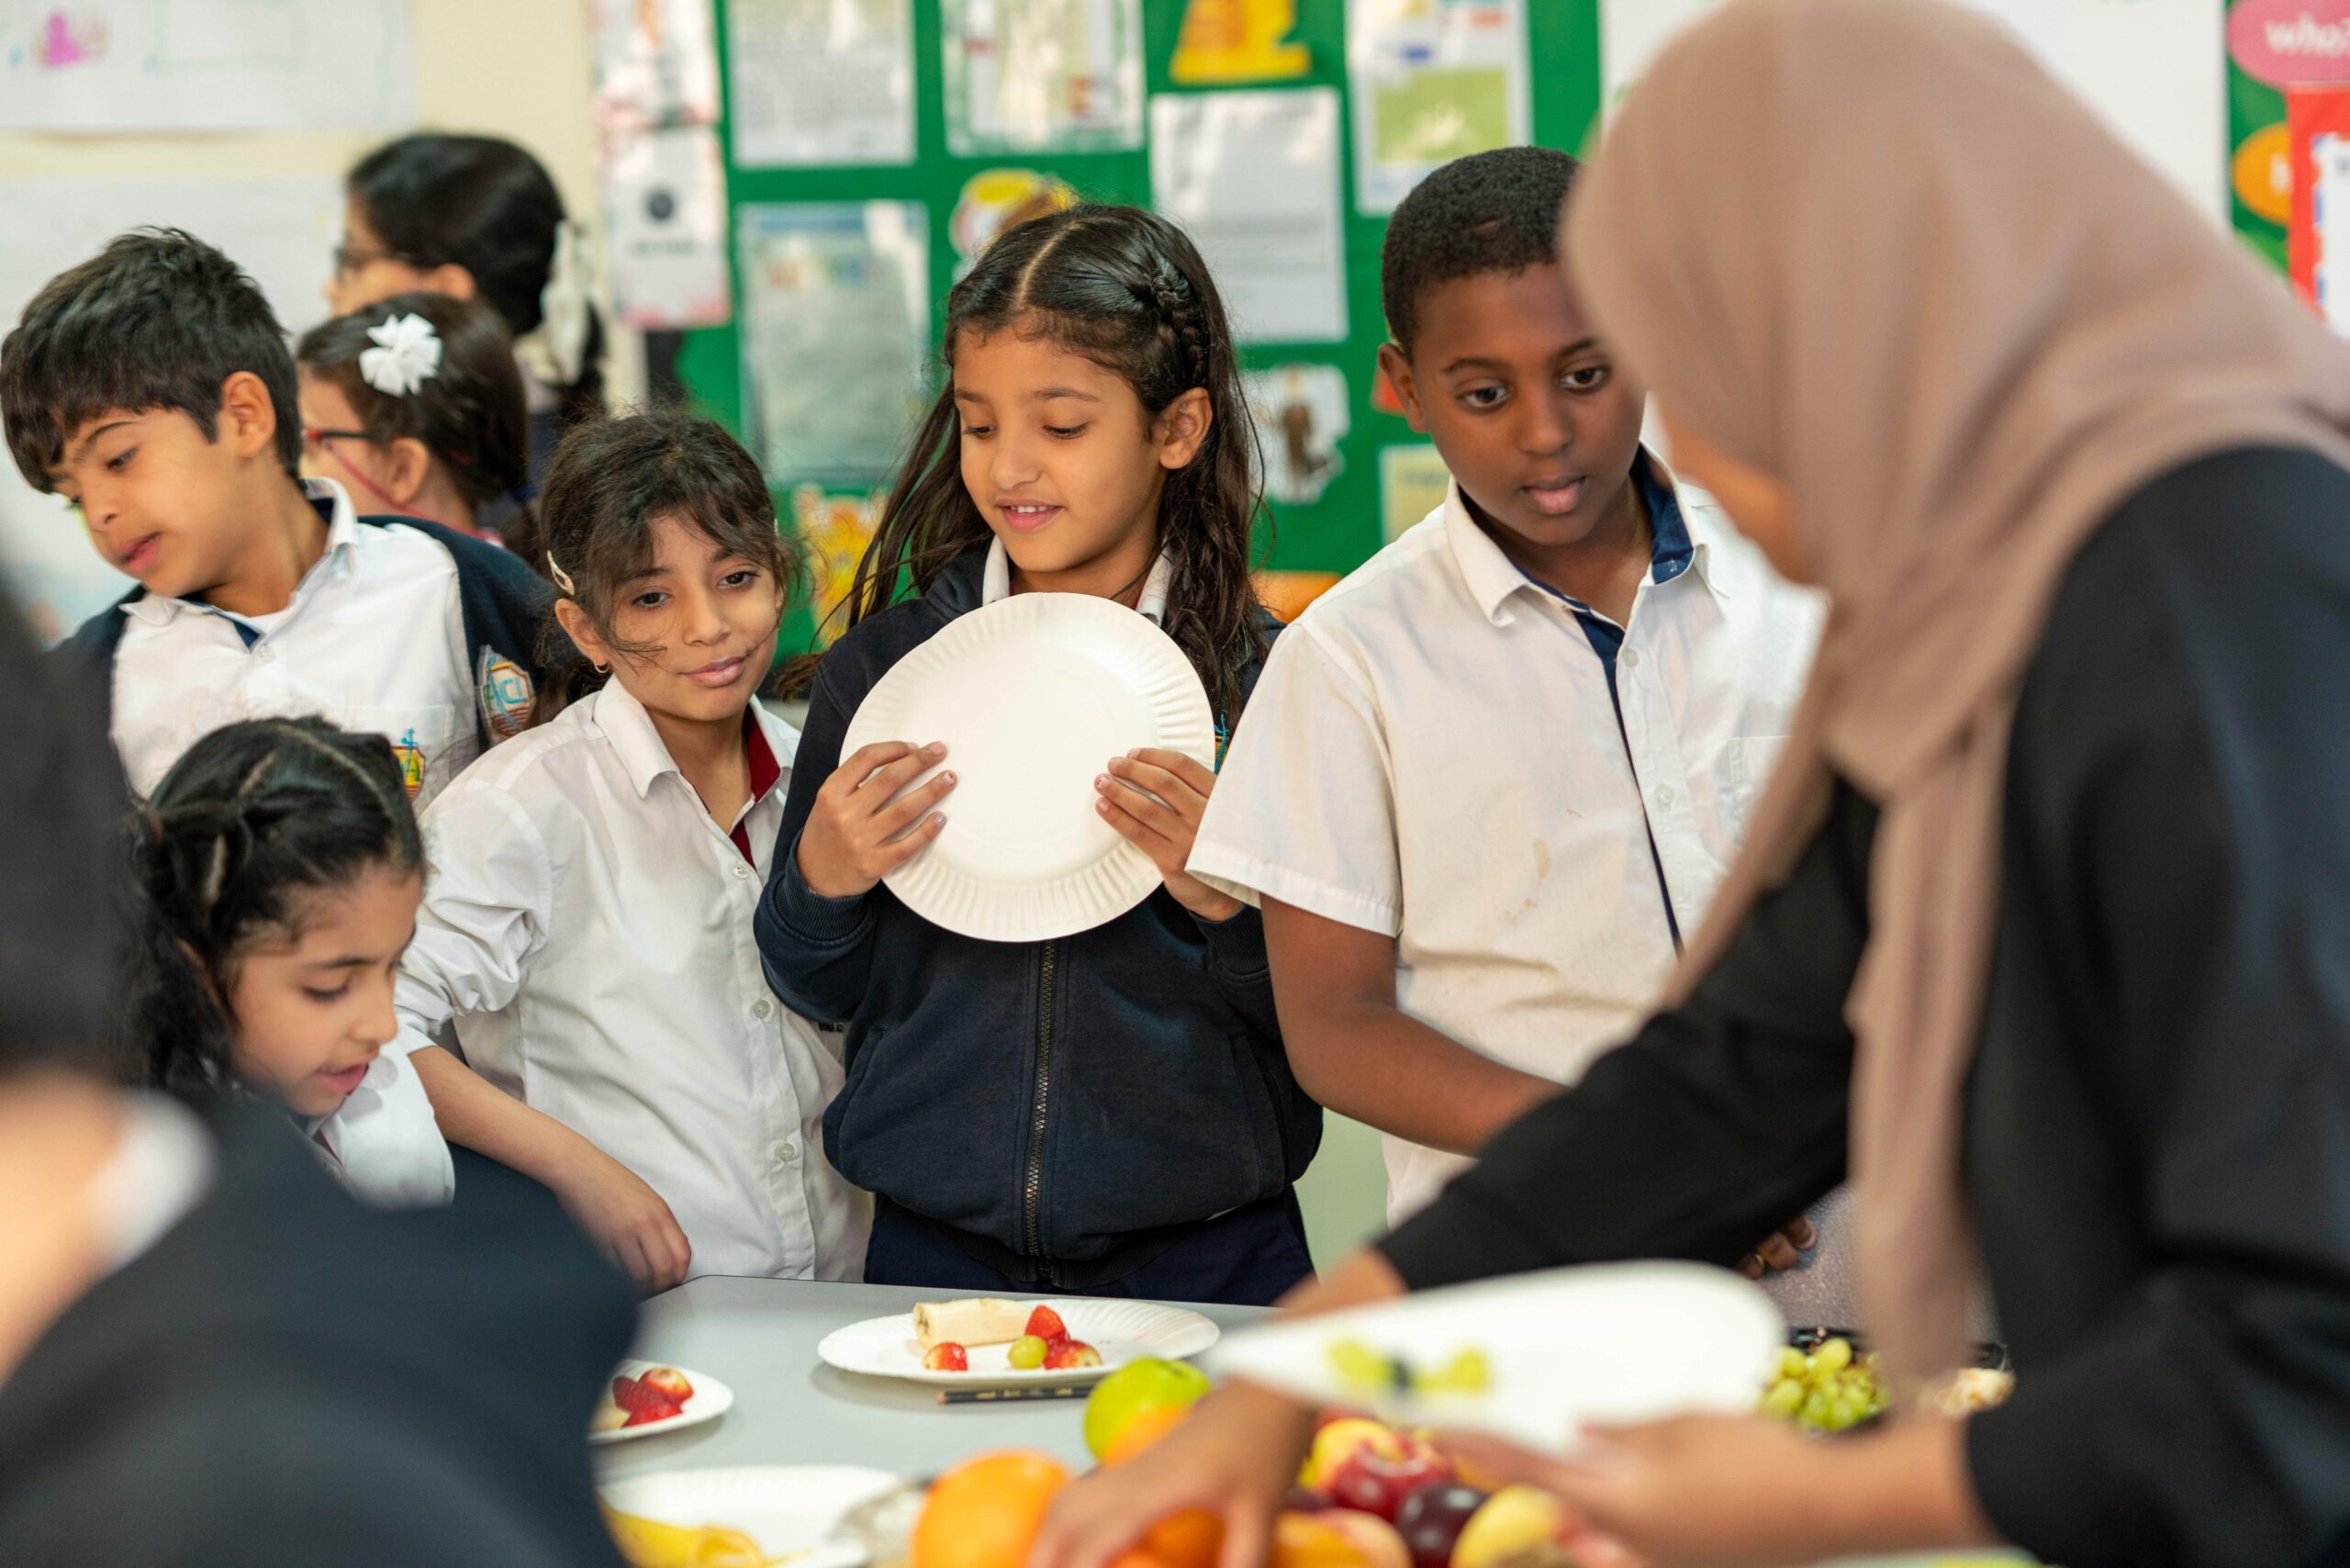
(1670, 551)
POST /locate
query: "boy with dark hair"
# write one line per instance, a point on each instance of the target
(1490, 780)
(152, 388)
(209, 1354)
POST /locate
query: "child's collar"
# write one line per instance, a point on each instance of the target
(995, 584)
(333, 507)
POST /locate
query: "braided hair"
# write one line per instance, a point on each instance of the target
(254, 816)
(1125, 289)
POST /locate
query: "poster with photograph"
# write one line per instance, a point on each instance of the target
(655, 63)
(1042, 75)
(1301, 416)
(1432, 81)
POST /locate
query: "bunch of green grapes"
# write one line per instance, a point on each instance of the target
(1828, 1389)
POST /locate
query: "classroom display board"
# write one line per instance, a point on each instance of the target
(872, 148)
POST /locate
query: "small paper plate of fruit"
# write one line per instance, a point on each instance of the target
(1530, 1358)
(648, 1397)
(988, 1342)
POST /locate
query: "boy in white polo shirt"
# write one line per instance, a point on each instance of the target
(152, 388)
(1488, 782)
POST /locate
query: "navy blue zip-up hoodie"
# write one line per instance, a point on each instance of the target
(1070, 1102)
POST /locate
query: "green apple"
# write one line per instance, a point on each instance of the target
(1133, 1389)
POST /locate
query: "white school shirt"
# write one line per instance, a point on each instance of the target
(373, 639)
(385, 1144)
(995, 583)
(1432, 754)
(586, 928)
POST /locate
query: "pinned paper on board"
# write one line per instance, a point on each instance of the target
(664, 223)
(1413, 482)
(1042, 75)
(1301, 416)
(131, 65)
(655, 63)
(1432, 81)
(834, 530)
(1225, 43)
(835, 329)
(1253, 176)
(998, 199)
(2155, 69)
(820, 82)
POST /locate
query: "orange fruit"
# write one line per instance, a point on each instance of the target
(1193, 1539)
(985, 1512)
(1301, 1540)
(1142, 1431)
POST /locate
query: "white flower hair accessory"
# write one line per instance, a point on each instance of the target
(406, 355)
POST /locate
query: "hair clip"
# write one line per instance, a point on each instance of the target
(408, 353)
(562, 578)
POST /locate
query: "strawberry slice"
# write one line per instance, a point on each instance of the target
(669, 1383)
(947, 1357)
(1047, 1325)
(1072, 1355)
(631, 1396)
(660, 1410)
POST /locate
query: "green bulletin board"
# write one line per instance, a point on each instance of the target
(1343, 528)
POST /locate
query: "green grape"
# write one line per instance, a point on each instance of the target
(1028, 1353)
(1793, 1363)
(1833, 1356)
(1785, 1398)
(1360, 1367)
(1816, 1410)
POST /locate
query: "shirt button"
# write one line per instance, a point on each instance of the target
(1664, 794)
(762, 1009)
(1632, 657)
(787, 1152)
(742, 868)
(265, 653)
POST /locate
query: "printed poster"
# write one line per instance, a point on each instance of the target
(2154, 68)
(1225, 43)
(996, 199)
(834, 530)
(1413, 482)
(131, 65)
(1301, 416)
(1042, 75)
(820, 82)
(665, 222)
(1433, 80)
(655, 63)
(2273, 46)
(835, 330)
(1253, 176)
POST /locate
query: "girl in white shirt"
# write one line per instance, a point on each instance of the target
(587, 940)
(279, 870)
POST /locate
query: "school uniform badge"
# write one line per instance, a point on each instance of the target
(507, 696)
(410, 756)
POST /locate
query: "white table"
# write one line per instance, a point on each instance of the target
(759, 1337)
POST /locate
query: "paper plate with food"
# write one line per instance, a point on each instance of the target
(646, 1398)
(990, 1342)
(760, 1516)
(1530, 1358)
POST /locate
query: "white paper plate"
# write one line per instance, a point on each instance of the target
(710, 1400)
(1614, 1342)
(1034, 695)
(1122, 1330)
(784, 1507)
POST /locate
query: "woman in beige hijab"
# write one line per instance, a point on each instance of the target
(2042, 932)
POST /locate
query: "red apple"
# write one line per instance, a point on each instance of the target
(1375, 1477)
(1431, 1520)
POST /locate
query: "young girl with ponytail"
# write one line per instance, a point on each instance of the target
(1111, 1114)
(279, 870)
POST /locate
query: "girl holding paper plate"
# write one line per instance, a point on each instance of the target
(2042, 930)
(1107, 1111)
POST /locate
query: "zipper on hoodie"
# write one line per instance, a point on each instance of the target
(1032, 1191)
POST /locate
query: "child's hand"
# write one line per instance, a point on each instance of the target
(1164, 832)
(627, 1220)
(855, 835)
(1234, 1456)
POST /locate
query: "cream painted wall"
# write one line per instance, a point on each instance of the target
(511, 68)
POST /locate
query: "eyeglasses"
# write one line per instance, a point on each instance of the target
(317, 437)
(349, 259)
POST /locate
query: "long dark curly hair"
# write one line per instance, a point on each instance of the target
(1127, 290)
(253, 817)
